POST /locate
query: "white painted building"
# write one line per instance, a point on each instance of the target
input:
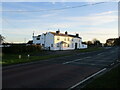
(59, 41)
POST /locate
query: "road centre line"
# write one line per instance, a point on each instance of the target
(100, 54)
(90, 64)
(75, 60)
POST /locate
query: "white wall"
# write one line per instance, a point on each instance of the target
(71, 42)
(49, 39)
(84, 46)
(42, 39)
(35, 41)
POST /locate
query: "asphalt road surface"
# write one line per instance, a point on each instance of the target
(62, 72)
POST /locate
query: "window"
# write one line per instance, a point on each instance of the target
(68, 45)
(51, 45)
(43, 45)
(58, 38)
(68, 39)
(57, 44)
(38, 43)
(72, 39)
(38, 38)
(65, 39)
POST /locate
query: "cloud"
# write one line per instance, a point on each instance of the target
(49, 15)
(106, 13)
(60, 25)
(59, 0)
(18, 35)
(93, 19)
(101, 33)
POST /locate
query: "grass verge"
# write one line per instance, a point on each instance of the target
(90, 49)
(13, 59)
(9, 59)
(108, 80)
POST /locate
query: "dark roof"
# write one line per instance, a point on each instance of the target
(74, 36)
(30, 42)
(61, 34)
(39, 35)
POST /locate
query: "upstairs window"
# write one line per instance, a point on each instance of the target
(68, 39)
(58, 38)
(72, 39)
(65, 39)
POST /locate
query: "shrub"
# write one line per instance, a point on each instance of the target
(21, 49)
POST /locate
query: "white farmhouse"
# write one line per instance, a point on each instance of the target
(59, 41)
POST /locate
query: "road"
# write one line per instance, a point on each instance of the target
(61, 72)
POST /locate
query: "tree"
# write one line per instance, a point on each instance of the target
(89, 43)
(96, 42)
(117, 42)
(1, 39)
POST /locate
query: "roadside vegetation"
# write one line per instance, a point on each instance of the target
(108, 80)
(14, 59)
(17, 54)
(90, 49)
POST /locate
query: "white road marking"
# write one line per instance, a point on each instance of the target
(112, 52)
(100, 61)
(72, 61)
(90, 64)
(112, 64)
(75, 60)
(86, 79)
(100, 54)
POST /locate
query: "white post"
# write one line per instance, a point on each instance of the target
(28, 56)
(19, 56)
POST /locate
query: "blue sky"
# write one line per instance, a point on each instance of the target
(94, 21)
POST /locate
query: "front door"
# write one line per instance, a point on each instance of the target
(75, 45)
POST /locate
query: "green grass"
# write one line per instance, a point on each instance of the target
(8, 59)
(14, 59)
(108, 80)
(90, 49)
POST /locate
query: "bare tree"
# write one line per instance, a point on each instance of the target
(1, 39)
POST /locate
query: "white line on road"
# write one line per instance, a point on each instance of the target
(90, 64)
(75, 60)
(86, 79)
(100, 54)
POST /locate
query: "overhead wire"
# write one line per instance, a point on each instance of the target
(54, 9)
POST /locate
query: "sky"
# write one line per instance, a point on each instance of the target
(21, 19)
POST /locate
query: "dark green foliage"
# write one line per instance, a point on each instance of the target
(21, 49)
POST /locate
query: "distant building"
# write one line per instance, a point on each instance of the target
(59, 41)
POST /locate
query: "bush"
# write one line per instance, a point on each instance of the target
(21, 49)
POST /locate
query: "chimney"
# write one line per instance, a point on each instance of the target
(58, 32)
(77, 35)
(66, 32)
